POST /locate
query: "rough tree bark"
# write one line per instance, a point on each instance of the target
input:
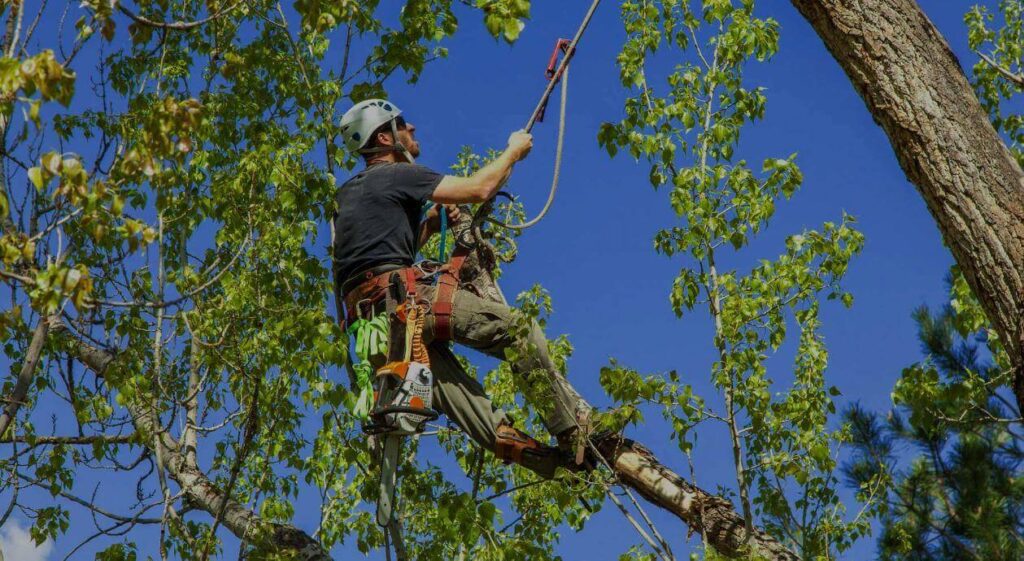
(917, 92)
(200, 490)
(635, 465)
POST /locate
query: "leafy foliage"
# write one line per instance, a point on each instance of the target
(784, 450)
(999, 73)
(187, 245)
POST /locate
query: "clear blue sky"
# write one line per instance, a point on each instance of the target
(594, 252)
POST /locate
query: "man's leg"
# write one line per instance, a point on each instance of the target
(462, 398)
(492, 328)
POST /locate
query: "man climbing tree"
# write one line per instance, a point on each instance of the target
(165, 170)
(378, 232)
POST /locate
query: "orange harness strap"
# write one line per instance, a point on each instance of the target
(447, 284)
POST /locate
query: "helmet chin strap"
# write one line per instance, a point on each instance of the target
(396, 147)
(399, 147)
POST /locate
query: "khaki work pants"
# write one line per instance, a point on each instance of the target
(490, 327)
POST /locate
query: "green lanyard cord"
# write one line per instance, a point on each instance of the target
(371, 340)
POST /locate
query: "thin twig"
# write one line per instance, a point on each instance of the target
(169, 303)
(177, 25)
(92, 506)
(32, 28)
(512, 490)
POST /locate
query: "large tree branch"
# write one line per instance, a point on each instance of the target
(916, 91)
(710, 515)
(28, 368)
(200, 490)
(636, 466)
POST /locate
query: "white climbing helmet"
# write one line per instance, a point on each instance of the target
(359, 122)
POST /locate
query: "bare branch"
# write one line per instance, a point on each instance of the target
(28, 368)
(136, 519)
(197, 487)
(32, 27)
(14, 27)
(1017, 79)
(174, 302)
(177, 25)
(51, 440)
(14, 276)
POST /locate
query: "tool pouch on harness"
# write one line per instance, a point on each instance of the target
(403, 387)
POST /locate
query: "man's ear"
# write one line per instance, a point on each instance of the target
(385, 139)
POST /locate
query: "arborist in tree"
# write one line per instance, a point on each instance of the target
(379, 227)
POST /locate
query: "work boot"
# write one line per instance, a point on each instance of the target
(514, 446)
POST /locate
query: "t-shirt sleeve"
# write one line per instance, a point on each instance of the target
(416, 182)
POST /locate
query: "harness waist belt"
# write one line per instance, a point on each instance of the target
(370, 286)
(366, 274)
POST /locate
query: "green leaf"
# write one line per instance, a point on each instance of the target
(35, 175)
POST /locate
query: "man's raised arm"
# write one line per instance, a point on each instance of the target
(483, 184)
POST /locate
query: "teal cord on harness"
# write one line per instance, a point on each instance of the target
(441, 257)
(442, 249)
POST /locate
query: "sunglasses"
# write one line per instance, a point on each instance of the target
(400, 122)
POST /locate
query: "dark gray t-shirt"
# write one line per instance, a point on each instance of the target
(379, 215)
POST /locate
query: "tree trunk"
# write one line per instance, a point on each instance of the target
(917, 92)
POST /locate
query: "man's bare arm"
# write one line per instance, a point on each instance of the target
(483, 184)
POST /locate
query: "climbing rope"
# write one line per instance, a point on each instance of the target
(561, 73)
(558, 161)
